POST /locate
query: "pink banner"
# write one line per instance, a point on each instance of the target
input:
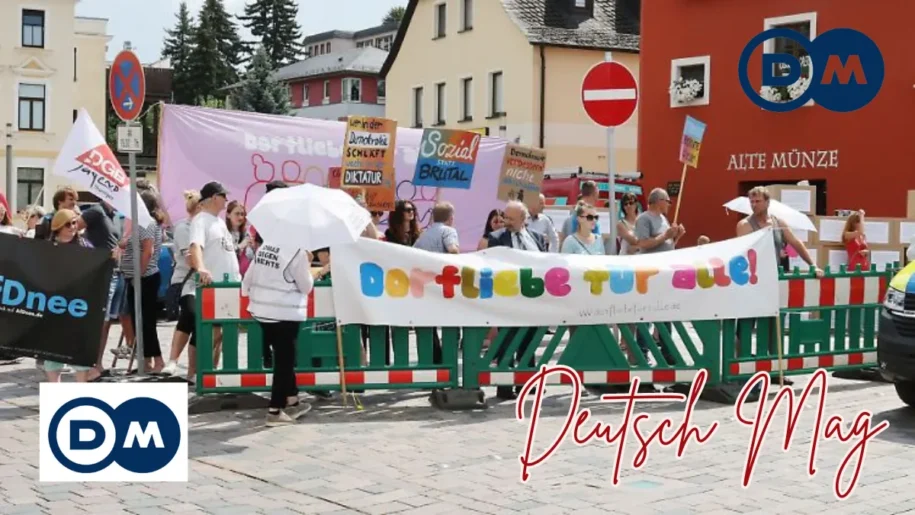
(245, 151)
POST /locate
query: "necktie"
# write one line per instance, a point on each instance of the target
(521, 245)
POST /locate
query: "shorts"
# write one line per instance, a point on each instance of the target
(117, 297)
(55, 366)
(186, 318)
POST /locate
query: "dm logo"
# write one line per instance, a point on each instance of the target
(113, 432)
(846, 70)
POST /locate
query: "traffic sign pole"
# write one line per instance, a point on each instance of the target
(137, 273)
(127, 90)
(611, 175)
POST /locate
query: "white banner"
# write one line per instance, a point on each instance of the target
(378, 283)
(88, 161)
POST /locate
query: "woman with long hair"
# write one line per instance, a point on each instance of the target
(237, 223)
(150, 249)
(403, 228)
(629, 212)
(181, 279)
(65, 231)
(494, 222)
(856, 242)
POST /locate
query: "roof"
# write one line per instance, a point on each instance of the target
(615, 25)
(345, 34)
(365, 60)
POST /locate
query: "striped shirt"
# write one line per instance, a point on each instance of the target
(152, 232)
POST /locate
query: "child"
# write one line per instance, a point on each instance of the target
(703, 240)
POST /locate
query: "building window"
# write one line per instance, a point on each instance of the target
(689, 81)
(382, 86)
(32, 28)
(386, 43)
(466, 14)
(467, 99)
(74, 63)
(440, 103)
(441, 15)
(581, 4)
(326, 99)
(328, 47)
(352, 90)
(360, 44)
(305, 94)
(418, 107)
(31, 107)
(806, 25)
(496, 105)
(75, 115)
(29, 183)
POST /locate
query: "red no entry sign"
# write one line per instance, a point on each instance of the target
(127, 86)
(609, 94)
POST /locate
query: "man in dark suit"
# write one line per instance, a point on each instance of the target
(515, 235)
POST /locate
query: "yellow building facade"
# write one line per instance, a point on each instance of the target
(52, 63)
(513, 69)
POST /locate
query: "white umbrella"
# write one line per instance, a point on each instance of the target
(309, 217)
(792, 217)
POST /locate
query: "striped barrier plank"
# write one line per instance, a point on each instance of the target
(804, 363)
(353, 377)
(831, 291)
(229, 304)
(591, 377)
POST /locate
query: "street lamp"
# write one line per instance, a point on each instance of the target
(10, 179)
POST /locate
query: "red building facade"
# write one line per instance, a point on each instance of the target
(315, 90)
(861, 159)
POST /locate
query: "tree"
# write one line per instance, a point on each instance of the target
(260, 92)
(395, 15)
(177, 48)
(216, 51)
(274, 24)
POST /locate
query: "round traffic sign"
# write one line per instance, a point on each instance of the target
(609, 94)
(127, 86)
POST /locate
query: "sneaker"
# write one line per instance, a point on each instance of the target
(297, 410)
(279, 419)
(170, 369)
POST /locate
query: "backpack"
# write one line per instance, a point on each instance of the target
(173, 298)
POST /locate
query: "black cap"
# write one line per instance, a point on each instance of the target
(212, 189)
(273, 185)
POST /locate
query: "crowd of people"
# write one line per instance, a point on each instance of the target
(212, 248)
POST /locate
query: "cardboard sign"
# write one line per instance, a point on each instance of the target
(693, 132)
(522, 174)
(368, 160)
(446, 158)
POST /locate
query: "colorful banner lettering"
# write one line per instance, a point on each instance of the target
(522, 174)
(447, 158)
(377, 283)
(693, 132)
(245, 151)
(368, 160)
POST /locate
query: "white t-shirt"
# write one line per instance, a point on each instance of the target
(212, 236)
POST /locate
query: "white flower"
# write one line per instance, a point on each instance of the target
(800, 86)
(684, 91)
(770, 94)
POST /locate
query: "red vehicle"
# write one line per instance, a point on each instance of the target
(562, 187)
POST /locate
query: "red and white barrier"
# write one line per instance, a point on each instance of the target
(831, 291)
(229, 304)
(592, 377)
(803, 363)
(354, 378)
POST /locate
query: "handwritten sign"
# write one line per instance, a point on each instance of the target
(368, 160)
(446, 158)
(522, 174)
(693, 131)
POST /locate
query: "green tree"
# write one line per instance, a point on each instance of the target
(216, 51)
(211, 102)
(178, 48)
(395, 15)
(260, 92)
(273, 23)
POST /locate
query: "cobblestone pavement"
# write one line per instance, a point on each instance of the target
(399, 455)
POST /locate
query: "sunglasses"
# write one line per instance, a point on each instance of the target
(590, 218)
(377, 214)
(408, 210)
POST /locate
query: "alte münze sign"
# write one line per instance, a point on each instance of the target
(822, 159)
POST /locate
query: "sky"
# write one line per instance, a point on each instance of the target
(143, 22)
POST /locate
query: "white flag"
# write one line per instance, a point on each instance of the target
(87, 160)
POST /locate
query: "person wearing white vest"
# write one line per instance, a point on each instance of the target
(277, 285)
